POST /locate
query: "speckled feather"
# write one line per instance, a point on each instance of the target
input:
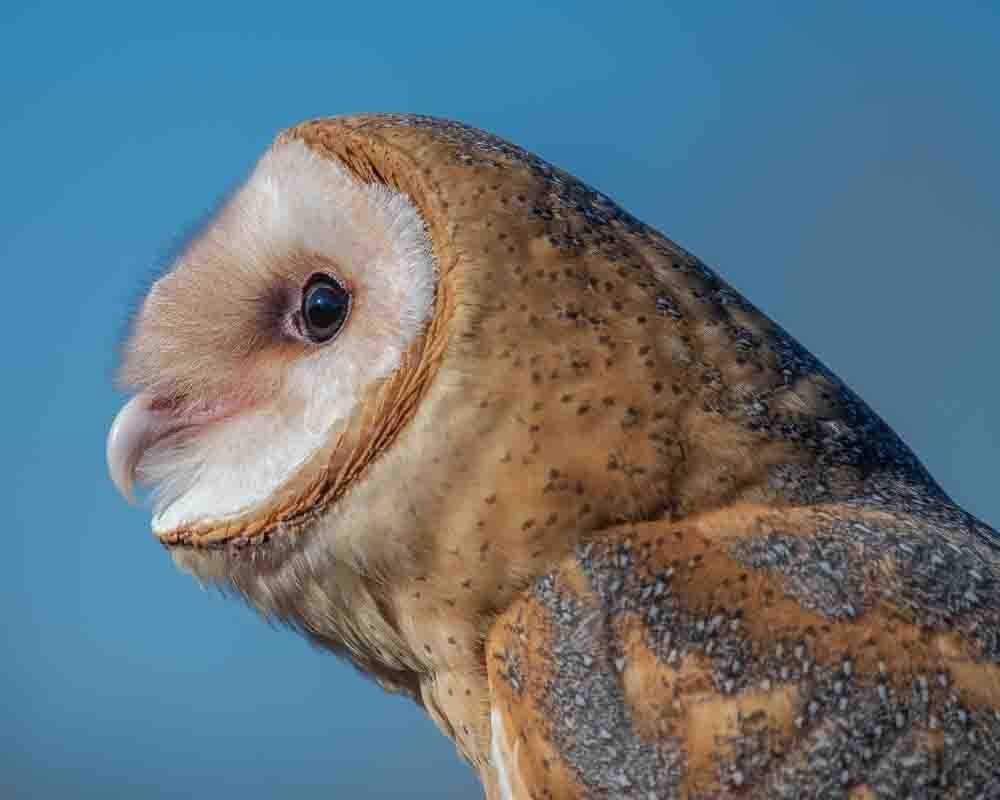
(672, 552)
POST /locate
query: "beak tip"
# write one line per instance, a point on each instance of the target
(125, 489)
(121, 473)
(127, 439)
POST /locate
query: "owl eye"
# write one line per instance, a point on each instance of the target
(325, 306)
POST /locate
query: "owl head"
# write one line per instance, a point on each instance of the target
(408, 366)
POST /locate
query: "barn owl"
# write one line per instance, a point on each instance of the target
(459, 418)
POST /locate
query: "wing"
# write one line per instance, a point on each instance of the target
(753, 652)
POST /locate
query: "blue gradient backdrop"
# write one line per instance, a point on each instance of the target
(837, 163)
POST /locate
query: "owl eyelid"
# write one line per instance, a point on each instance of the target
(320, 277)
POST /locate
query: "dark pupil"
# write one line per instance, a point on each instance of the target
(325, 309)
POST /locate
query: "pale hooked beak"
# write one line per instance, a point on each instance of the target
(136, 428)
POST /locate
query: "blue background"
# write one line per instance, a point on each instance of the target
(838, 164)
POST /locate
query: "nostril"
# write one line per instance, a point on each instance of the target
(169, 403)
(191, 410)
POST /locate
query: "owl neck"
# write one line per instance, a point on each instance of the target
(702, 405)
